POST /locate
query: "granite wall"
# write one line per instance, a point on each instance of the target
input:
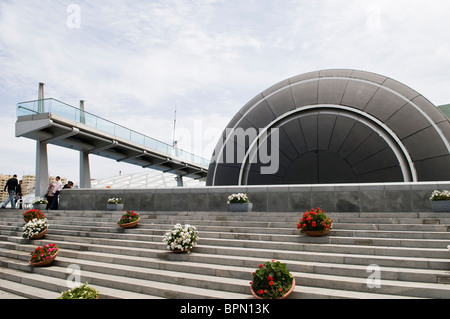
(383, 197)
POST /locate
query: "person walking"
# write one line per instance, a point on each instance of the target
(49, 195)
(11, 185)
(19, 195)
(56, 190)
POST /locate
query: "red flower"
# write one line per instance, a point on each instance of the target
(313, 224)
(261, 265)
(270, 283)
(269, 278)
(260, 292)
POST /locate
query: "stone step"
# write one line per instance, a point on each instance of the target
(123, 279)
(16, 290)
(152, 249)
(430, 224)
(34, 285)
(404, 231)
(373, 218)
(268, 221)
(221, 264)
(252, 238)
(245, 240)
(241, 226)
(221, 279)
(410, 248)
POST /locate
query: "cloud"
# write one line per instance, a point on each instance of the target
(134, 61)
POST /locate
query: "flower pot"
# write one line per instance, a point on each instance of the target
(40, 235)
(283, 297)
(130, 225)
(178, 251)
(441, 205)
(114, 207)
(317, 233)
(240, 207)
(40, 206)
(44, 262)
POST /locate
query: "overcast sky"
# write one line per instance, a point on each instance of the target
(134, 62)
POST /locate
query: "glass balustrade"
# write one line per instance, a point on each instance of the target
(75, 114)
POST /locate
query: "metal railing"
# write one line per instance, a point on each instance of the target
(75, 114)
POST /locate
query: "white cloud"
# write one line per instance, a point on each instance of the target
(133, 61)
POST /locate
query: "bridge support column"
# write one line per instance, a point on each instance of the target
(85, 171)
(179, 179)
(41, 182)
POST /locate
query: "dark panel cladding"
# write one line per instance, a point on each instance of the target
(331, 127)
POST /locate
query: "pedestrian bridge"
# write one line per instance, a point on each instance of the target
(50, 121)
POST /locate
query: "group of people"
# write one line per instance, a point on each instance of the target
(53, 192)
(14, 189)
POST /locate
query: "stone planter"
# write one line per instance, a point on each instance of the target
(40, 206)
(44, 262)
(40, 235)
(130, 225)
(240, 207)
(114, 207)
(285, 295)
(441, 205)
(178, 251)
(317, 233)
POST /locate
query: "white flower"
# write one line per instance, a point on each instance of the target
(181, 237)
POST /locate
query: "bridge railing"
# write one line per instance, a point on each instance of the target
(75, 114)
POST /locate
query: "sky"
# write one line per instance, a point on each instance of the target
(135, 62)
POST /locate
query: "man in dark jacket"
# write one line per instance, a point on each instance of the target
(19, 195)
(11, 185)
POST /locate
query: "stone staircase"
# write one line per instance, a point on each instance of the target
(410, 250)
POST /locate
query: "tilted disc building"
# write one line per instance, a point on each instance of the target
(334, 126)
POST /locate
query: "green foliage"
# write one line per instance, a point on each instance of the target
(315, 220)
(437, 195)
(238, 198)
(272, 280)
(129, 217)
(115, 201)
(81, 292)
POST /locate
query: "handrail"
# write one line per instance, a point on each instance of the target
(65, 110)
